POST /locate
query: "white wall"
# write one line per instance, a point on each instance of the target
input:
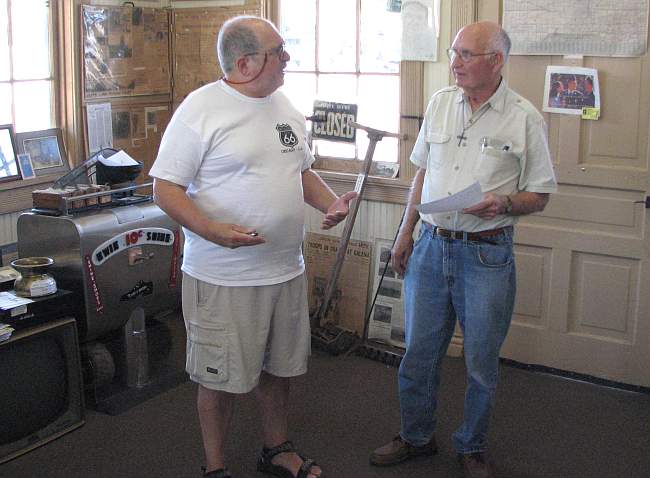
(8, 228)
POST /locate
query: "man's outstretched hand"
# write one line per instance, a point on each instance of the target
(338, 210)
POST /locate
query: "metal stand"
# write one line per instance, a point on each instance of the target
(326, 335)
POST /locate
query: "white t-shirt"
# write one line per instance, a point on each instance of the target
(502, 145)
(241, 159)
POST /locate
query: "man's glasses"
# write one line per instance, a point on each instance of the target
(278, 50)
(465, 55)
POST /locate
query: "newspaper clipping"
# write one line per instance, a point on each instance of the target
(348, 304)
(387, 318)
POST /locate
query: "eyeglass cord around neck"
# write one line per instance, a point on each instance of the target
(230, 82)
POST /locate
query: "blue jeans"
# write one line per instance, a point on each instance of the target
(449, 279)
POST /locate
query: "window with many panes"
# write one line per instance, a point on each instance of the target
(345, 51)
(26, 80)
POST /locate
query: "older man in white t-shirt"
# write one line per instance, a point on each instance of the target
(234, 170)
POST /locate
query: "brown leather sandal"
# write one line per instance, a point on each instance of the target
(265, 465)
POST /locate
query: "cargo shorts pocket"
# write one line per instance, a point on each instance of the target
(207, 354)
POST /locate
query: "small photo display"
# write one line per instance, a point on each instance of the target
(26, 166)
(44, 152)
(569, 89)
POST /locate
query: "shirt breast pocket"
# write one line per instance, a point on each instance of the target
(496, 167)
(438, 143)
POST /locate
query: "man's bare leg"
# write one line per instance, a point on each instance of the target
(272, 395)
(215, 412)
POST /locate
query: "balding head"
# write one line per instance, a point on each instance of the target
(479, 52)
(491, 35)
(239, 36)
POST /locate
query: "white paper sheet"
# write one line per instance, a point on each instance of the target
(100, 126)
(121, 158)
(462, 199)
(9, 300)
(420, 27)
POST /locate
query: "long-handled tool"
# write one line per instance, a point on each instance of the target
(327, 335)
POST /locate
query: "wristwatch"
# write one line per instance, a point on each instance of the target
(508, 205)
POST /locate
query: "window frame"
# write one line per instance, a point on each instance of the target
(411, 109)
(51, 78)
(16, 195)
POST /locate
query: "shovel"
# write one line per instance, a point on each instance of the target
(325, 334)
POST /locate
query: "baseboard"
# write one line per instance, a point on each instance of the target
(392, 356)
(576, 376)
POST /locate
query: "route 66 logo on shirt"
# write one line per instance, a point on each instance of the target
(287, 136)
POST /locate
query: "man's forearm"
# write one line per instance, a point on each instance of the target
(412, 216)
(173, 199)
(525, 202)
(316, 192)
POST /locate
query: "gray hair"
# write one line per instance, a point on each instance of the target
(236, 38)
(501, 42)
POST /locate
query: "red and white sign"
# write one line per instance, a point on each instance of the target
(135, 237)
(92, 284)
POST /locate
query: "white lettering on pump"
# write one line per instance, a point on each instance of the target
(127, 239)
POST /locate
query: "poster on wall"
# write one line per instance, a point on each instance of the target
(593, 28)
(569, 89)
(350, 296)
(420, 30)
(125, 51)
(387, 317)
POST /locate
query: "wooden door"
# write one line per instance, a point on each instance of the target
(584, 263)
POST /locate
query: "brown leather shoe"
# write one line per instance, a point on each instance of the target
(476, 465)
(398, 450)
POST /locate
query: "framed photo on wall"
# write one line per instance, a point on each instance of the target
(45, 149)
(8, 165)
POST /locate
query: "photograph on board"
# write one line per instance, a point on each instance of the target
(569, 89)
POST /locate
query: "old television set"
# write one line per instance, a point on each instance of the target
(41, 387)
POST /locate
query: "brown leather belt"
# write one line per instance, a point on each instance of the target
(466, 236)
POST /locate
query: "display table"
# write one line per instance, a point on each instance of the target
(44, 309)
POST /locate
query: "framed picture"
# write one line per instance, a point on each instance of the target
(568, 89)
(26, 167)
(45, 149)
(8, 165)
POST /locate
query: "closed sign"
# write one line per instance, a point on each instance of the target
(334, 121)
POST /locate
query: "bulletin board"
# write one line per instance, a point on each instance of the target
(128, 55)
(137, 129)
(125, 51)
(194, 44)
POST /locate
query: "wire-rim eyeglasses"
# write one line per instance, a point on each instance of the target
(466, 55)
